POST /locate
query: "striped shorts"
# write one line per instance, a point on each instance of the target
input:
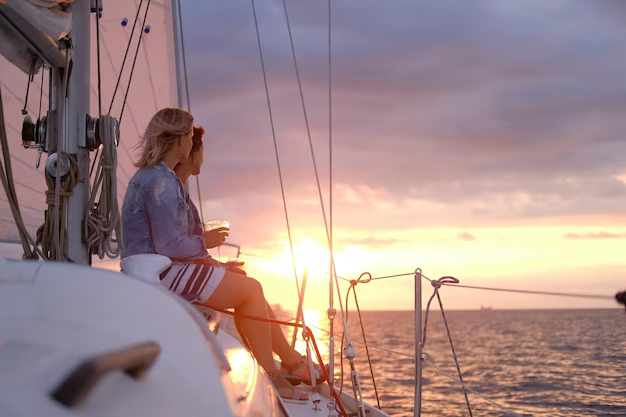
(187, 278)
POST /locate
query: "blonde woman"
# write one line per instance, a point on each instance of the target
(155, 220)
(216, 237)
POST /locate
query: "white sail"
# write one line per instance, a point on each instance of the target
(153, 87)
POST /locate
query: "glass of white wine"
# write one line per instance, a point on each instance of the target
(216, 224)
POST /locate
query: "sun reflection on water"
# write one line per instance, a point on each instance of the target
(315, 320)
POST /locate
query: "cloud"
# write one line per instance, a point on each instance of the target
(505, 110)
(368, 242)
(599, 235)
(466, 236)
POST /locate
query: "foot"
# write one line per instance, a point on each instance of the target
(285, 389)
(300, 369)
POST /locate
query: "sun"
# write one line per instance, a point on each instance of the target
(308, 254)
(314, 256)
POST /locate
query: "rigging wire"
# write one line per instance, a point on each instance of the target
(437, 285)
(182, 44)
(282, 188)
(317, 180)
(331, 291)
(119, 77)
(115, 72)
(353, 285)
(426, 361)
(560, 294)
(130, 112)
(531, 292)
(132, 69)
(98, 59)
(43, 71)
(271, 116)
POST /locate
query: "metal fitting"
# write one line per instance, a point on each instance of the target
(331, 409)
(93, 136)
(349, 351)
(56, 165)
(34, 133)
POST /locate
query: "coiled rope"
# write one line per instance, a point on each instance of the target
(56, 248)
(104, 232)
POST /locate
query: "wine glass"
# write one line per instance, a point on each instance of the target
(216, 224)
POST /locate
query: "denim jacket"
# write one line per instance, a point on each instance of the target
(155, 216)
(193, 218)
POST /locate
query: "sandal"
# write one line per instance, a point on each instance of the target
(299, 370)
(285, 389)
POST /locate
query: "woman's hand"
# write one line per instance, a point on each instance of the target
(215, 237)
(235, 266)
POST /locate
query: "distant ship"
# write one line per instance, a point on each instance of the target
(485, 308)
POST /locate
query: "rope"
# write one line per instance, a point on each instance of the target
(104, 230)
(54, 246)
(353, 284)
(306, 332)
(6, 176)
(30, 80)
(437, 285)
(182, 43)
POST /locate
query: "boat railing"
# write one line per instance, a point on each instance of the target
(421, 327)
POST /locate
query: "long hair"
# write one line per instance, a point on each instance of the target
(165, 127)
(198, 134)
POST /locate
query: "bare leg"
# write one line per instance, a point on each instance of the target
(279, 343)
(245, 295)
(292, 360)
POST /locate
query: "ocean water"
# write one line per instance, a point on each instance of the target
(550, 363)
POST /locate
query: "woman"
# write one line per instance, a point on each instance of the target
(215, 238)
(154, 220)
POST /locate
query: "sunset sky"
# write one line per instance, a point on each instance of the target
(482, 139)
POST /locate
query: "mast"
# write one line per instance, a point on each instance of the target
(75, 137)
(178, 56)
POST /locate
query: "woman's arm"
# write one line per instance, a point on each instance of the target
(161, 196)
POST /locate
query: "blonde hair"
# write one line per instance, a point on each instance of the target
(164, 128)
